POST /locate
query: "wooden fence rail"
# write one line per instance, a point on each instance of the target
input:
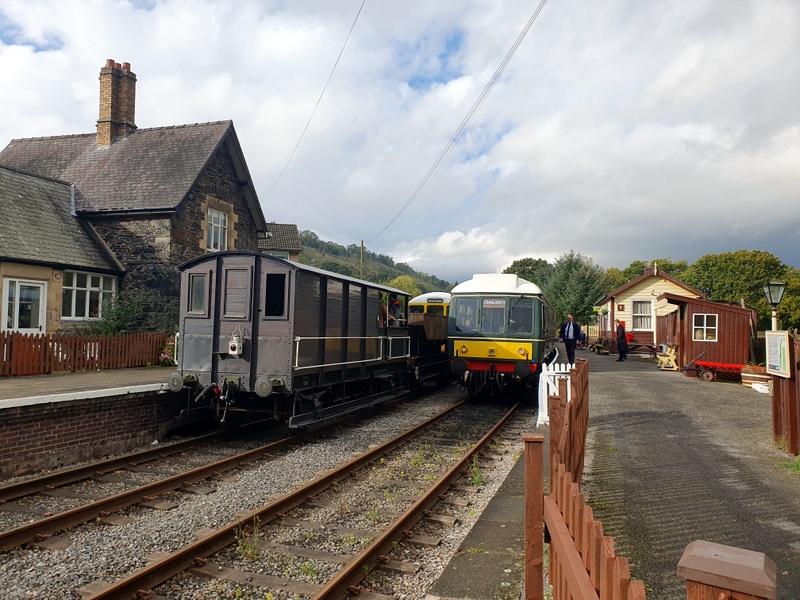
(37, 354)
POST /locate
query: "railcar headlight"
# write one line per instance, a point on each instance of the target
(463, 349)
(521, 351)
(492, 352)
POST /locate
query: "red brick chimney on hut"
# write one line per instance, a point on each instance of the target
(117, 102)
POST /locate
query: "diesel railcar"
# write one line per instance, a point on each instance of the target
(500, 330)
(263, 334)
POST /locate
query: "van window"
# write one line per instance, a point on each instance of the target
(275, 295)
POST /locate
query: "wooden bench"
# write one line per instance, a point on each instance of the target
(667, 360)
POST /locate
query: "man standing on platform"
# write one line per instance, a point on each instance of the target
(570, 334)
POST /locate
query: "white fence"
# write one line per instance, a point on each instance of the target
(548, 386)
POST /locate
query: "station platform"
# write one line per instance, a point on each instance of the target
(66, 386)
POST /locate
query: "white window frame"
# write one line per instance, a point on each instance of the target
(94, 287)
(216, 230)
(705, 327)
(42, 285)
(648, 314)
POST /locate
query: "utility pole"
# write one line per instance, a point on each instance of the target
(362, 259)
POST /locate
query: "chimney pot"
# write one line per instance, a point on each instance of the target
(117, 66)
(109, 62)
(126, 66)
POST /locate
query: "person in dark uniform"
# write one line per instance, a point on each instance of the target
(622, 342)
(394, 310)
(569, 334)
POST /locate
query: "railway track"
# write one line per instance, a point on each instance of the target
(84, 489)
(109, 547)
(358, 512)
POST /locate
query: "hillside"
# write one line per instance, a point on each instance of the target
(346, 260)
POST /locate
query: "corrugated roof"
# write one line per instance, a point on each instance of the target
(36, 225)
(149, 169)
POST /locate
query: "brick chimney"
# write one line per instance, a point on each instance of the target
(117, 102)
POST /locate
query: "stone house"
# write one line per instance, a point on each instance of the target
(87, 216)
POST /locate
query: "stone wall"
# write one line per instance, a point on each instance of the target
(152, 247)
(60, 434)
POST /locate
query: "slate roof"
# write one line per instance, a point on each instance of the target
(147, 170)
(36, 225)
(281, 236)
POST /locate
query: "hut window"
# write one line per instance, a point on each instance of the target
(642, 313)
(704, 328)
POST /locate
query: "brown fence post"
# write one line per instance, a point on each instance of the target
(713, 571)
(534, 515)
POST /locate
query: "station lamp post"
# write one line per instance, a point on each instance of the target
(774, 292)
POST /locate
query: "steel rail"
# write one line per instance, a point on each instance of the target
(162, 570)
(73, 475)
(43, 528)
(354, 571)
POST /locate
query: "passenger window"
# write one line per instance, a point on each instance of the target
(275, 296)
(197, 293)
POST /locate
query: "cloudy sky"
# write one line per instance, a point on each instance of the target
(623, 130)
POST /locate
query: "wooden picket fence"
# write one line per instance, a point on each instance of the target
(582, 565)
(37, 354)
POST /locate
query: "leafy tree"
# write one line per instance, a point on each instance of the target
(789, 308)
(612, 279)
(405, 283)
(735, 276)
(574, 286)
(666, 265)
(535, 270)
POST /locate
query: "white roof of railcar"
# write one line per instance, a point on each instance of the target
(496, 283)
(436, 297)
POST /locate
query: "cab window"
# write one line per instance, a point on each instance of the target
(466, 315)
(493, 313)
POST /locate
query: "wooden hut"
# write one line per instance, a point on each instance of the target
(719, 331)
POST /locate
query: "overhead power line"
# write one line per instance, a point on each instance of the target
(325, 87)
(465, 122)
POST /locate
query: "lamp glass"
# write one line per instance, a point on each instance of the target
(774, 292)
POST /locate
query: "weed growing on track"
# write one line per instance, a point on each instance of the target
(476, 478)
(247, 541)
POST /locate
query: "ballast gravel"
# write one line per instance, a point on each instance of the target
(106, 553)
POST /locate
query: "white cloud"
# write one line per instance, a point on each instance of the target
(622, 131)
